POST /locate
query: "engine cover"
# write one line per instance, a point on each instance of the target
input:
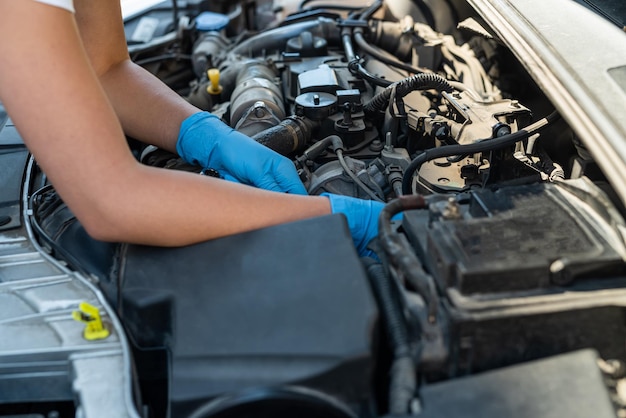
(232, 318)
(511, 239)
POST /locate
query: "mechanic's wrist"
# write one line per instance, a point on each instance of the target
(324, 204)
(196, 141)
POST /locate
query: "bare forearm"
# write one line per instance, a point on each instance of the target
(171, 208)
(148, 110)
(77, 140)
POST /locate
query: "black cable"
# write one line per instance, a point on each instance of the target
(308, 15)
(175, 14)
(373, 8)
(376, 53)
(327, 6)
(334, 7)
(402, 382)
(403, 87)
(356, 68)
(403, 257)
(303, 3)
(354, 65)
(483, 145)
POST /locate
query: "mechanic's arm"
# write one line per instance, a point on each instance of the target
(151, 112)
(147, 108)
(54, 97)
(57, 103)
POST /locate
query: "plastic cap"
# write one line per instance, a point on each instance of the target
(90, 316)
(209, 21)
(214, 79)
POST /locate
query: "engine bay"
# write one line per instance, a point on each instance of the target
(500, 291)
(502, 260)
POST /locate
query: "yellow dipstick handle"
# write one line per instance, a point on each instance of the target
(214, 79)
(94, 328)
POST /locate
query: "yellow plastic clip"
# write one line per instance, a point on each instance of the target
(214, 87)
(94, 328)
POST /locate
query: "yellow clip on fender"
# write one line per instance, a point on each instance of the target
(94, 328)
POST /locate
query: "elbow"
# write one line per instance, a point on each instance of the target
(110, 63)
(103, 221)
(102, 230)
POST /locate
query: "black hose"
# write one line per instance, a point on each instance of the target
(404, 258)
(275, 39)
(290, 136)
(356, 68)
(373, 8)
(328, 6)
(334, 7)
(480, 146)
(403, 87)
(303, 3)
(374, 52)
(402, 383)
(354, 65)
(175, 14)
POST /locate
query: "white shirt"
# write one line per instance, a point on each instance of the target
(65, 4)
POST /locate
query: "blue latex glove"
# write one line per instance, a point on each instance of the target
(206, 141)
(362, 218)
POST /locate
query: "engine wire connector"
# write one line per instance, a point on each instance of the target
(90, 316)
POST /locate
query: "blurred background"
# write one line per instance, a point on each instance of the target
(132, 6)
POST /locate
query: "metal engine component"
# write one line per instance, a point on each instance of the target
(205, 50)
(332, 178)
(506, 252)
(468, 120)
(257, 102)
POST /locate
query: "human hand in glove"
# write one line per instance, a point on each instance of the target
(206, 141)
(362, 216)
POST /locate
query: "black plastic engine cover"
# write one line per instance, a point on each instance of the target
(493, 255)
(289, 304)
(511, 239)
(570, 385)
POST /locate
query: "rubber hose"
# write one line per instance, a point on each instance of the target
(417, 82)
(374, 52)
(404, 258)
(402, 383)
(276, 38)
(289, 136)
(373, 8)
(354, 65)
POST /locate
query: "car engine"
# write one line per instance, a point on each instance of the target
(498, 291)
(506, 237)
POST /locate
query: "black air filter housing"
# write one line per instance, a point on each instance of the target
(278, 306)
